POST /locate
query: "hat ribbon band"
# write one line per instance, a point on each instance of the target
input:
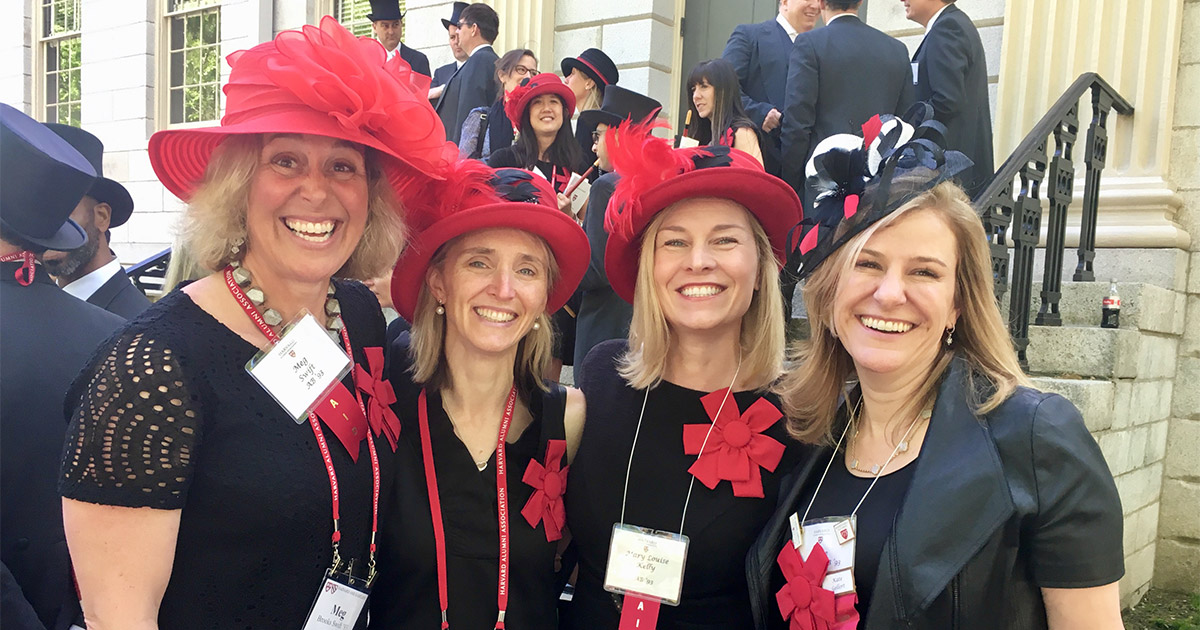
(603, 79)
(25, 272)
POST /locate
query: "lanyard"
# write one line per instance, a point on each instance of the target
(273, 337)
(24, 273)
(435, 508)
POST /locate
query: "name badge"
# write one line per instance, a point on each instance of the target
(339, 602)
(915, 67)
(580, 195)
(836, 535)
(646, 562)
(300, 370)
(687, 143)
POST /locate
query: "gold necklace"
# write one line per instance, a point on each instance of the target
(902, 447)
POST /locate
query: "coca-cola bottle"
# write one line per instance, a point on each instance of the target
(1110, 310)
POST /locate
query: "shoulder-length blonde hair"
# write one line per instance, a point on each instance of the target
(428, 336)
(762, 338)
(811, 390)
(215, 219)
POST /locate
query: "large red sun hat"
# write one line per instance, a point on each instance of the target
(321, 81)
(475, 197)
(533, 87)
(654, 176)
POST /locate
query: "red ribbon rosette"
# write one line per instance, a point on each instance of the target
(736, 448)
(549, 482)
(802, 601)
(380, 416)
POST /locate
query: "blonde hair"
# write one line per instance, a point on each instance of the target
(592, 98)
(762, 338)
(810, 391)
(215, 219)
(428, 336)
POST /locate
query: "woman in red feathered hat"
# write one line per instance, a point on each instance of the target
(208, 485)
(476, 512)
(685, 445)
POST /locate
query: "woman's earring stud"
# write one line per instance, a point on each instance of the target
(440, 310)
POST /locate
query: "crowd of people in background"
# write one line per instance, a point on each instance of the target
(346, 409)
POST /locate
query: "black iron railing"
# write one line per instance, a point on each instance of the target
(1002, 204)
(148, 275)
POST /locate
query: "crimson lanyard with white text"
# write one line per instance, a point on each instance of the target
(435, 509)
(273, 337)
(24, 274)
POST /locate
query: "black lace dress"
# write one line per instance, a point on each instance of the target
(169, 419)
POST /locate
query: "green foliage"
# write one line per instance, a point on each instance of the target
(1189, 622)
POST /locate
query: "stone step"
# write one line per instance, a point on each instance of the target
(1144, 307)
(1090, 352)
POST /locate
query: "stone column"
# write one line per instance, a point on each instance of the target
(16, 57)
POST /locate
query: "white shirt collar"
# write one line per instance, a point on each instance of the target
(787, 27)
(840, 15)
(479, 48)
(84, 287)
(392, 53)
(933, 19)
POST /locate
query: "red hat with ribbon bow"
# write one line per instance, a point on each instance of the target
(322, 81)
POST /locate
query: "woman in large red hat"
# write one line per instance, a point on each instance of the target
(473, 522)
(683, 454)
(209, 485)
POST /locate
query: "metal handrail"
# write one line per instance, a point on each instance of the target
(1030, 163)
(148, 275)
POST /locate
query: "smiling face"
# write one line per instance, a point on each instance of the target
(896, 301)
(546, 114)
(307, 207)
(702, 97)
(493, 284)
(801, 14)
(705, 265)
(525, 68)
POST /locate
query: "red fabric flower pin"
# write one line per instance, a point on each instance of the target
(736, 448)
(380, 416)
(802, 601)
(549, 482)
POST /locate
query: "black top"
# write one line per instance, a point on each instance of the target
(840, 493)
(720, 526)
(406, 593)
(197, 433)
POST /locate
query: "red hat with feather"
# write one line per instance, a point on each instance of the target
(475, 197)
(654, 176)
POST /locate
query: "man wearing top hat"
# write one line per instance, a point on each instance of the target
(47, 336)
(92, 272)
(441, 76)
(387, 23)
(603, 315)
(475, 84)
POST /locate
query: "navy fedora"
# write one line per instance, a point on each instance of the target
(594, 63)
(103, 189)
(385, 10)
(42, 179)
(619, 106)
(455, 13)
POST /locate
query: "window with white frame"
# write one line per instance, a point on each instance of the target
(61, 60)
(193, 34)
(353, 15)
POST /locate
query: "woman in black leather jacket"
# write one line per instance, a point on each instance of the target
(955, 495)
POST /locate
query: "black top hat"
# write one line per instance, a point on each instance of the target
(619, 106)
(455, 13)
(385, 10)
(594, 63)
(103, 189)
(42, 179)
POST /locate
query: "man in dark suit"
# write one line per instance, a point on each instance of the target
(475, 83)
(387, 23)
(839, 76)
(760, 53)
(92, 272)
(951, 73)
(442, 74)
(47, 337)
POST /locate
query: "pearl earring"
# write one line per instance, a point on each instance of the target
(537, 325)
(440, 310)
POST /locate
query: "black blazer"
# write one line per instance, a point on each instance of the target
(443, 73)
(1000, 506)
(47, 337)
(760, 54)
(952, 74)
(603, 315)
(474, 85)
(415, 58)
(119, 296)
(865, 72)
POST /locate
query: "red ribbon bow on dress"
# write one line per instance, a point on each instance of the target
(549, 482)
(803, 603)
(380, 416)
(736, 448)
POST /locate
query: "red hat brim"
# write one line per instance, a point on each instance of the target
(180, 156)
(568, 244)
(771, 201)
(555, 87)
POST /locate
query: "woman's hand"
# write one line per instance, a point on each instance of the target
(564, 204)
(122, 558)
(1097, 608)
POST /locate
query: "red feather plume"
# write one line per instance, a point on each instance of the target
(467, 184)
(643, 161)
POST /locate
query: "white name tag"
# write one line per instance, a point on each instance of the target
(687, 143)
(837, 539)
(580, 195)
(646, 562)
(301, 369)
(338, 604)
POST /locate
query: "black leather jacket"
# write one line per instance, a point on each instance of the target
(1000, 506)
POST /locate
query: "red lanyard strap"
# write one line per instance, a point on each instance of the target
(435, 508)
(322, 443)
(25, 272)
